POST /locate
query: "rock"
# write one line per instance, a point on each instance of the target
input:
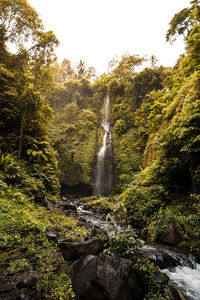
(164, 260)
(5, 287)
(11, 273)
(65, 268)
(160, 278)
(29, 294)
(74, 250)
(163, 256)
(175, 294)
(23, 249)
(7, 291)
(104, 277)
(28, 282)
(69, 206)
(52, 236)
(173, 236)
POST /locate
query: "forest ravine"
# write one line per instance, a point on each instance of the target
(54, 136)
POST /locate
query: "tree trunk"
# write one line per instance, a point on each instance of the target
(21, 137)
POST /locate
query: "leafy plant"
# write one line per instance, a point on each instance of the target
(58, 287)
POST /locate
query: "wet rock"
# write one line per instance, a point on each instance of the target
(160, 278)
(74, 250)
(69, 206)
(28, 282)
(175, 294)
(104, 277)
(52, 236)
(173, 236)
(81, 221)
(164, 260)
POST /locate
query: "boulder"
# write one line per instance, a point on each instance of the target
(172, 236)
(27, 282)
(29, 294)
(52, 236)
(69, 206)
(104, 277)
(74, 250)
(7, 291)
(175, 294)
(65, 268)
(6, 287)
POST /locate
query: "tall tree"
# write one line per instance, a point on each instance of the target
(18, 21)
(81, 69)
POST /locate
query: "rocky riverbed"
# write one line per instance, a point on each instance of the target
(95, 274)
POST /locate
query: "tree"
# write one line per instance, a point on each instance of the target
(154, 61)
(183, 22)
(81, 69)
(67, 71)
(187, 23)
(126, 66)
(19, 21)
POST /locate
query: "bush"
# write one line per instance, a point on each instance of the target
(56, 286)
(142, 203)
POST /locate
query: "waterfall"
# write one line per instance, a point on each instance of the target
(104, 167)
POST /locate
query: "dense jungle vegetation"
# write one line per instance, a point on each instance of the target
(50, 116)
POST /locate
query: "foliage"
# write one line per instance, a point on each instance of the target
(23, 223)
(58, 286)
(123, 245)
(18, 20)
(127, 157)
(127, 246)
(168, 127)
(142, 202)
(73, 132)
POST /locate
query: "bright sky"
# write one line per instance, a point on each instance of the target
(97, 30)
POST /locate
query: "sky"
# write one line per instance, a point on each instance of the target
(97, 30)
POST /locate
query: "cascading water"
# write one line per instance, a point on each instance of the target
(184, 272)
(104, 167)
(186, 279)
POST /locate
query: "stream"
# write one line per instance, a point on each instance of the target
(181, 267)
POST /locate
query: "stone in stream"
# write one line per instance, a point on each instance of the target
(74, 250)
(69, 206)
(105, 277)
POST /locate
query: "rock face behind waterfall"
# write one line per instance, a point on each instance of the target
(103, 181)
